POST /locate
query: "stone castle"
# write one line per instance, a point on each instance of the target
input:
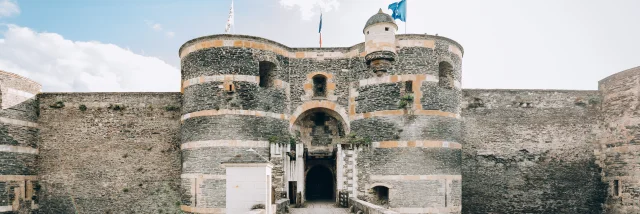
(382, 127)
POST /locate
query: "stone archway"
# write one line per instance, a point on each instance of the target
(319, 129)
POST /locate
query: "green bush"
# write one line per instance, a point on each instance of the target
(57, 104)
(357, 140)
(83, 107)
(405, 101)
(172, 108)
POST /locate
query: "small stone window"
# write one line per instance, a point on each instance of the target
(386, 29)
(445, 75)
(266, 74)
(367, 32)
(408, 86)
(616, 188)
(319, 86)
(229, 87)
(380, 195)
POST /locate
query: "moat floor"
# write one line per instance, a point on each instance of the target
(319, 207)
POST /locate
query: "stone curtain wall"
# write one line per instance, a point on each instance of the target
(620, 140)
(529, 151)
(118, 155)
(18, 142)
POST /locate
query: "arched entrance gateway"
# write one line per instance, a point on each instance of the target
(319, 130)
(320, 184)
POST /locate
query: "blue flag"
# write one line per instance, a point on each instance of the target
(320, 28)
(399, 10)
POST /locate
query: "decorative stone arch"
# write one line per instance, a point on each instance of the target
(389, 186)
(450, 82)
(267, 58)
(331, 108)
(380, 192)
(330, 86)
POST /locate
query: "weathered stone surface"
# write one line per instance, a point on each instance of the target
(530, 151)
(103, 160)
(236, 127)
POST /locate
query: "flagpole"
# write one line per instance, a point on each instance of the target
(405, 16)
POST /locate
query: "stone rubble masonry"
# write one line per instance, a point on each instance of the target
(618, 148)
(525, 151)
(531, 151)
(18, 141)
(104, 160)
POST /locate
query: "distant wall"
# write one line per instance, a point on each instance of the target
(110, 160)
(530, 151)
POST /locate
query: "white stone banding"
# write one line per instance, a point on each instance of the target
(237, 78)
(414, 177)
(408, 210)
(18, 122)
(18, 149)
(224, 143)
(18, 177)
(203, 176)
(203, 210)
(214, 112)
(416, 78)
(417, 144)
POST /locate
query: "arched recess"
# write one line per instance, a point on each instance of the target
(331, 108)
(445, 75)
(319, 86)
(320, 183)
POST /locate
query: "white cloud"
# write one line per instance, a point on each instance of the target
(8, 8)
(310, 8)
(157, 27)
(170, 34)
(64, 65)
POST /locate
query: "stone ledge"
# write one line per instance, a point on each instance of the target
(214, 112)
(238, 78)
(368, 208)
(203, 210)
(417, 78)
(18, 149)
(400, 112)
(7, 208)
(417, 144)
(203, 176)
(17, 122)
(414, 177)
(18, 177)
(428, 209)
(224, 143)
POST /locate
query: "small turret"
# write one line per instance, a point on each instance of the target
(380, 39)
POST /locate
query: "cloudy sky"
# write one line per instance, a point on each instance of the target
(132, 45)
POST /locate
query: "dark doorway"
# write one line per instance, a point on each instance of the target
(319, 185)
(293, 190)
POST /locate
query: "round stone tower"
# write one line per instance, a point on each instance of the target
(380, 40)
(18, 143)
(619, 141)
(234, 99)
(407, 102)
